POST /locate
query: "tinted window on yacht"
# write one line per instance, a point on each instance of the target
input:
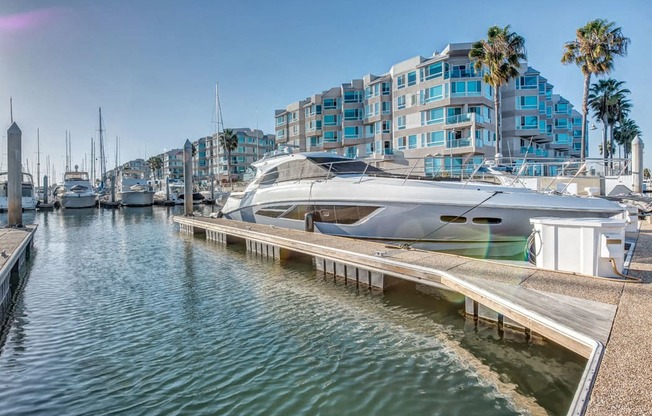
(340, 166)
(487, 220)
(273, 212)
(335, 214)
(453, 218)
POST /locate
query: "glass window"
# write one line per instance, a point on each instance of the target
(412, 78)
(386, 126)
(561, 108)
(435, 138)
(458, 89)
(387, 88)
(412, 141)
(401, 143)
(528, 102)
(400, 82)
(331, 136)
(352, 114)
(352, 96)
(434, 93)
(527, 82)
(280, 120)
(474, 87)
(436, 115)
(351, 132)
(400, 102)
(331, 120)
(387, 107)
(433, 70)
(330, 103)
(527, 122)
(400, 122)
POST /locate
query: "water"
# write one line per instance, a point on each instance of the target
(122, 314)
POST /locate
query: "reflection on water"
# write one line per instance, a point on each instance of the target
(122, 313)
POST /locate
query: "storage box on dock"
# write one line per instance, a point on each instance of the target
(583, 245)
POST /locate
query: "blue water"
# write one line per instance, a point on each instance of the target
(122, 314)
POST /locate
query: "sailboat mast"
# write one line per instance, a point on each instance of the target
(218, 111)
(38, 159)
(102, 154)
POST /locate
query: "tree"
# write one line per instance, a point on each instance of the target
(593, 50)
(228, 142)
(155, 163)
(626, 131)
(646, 173)
(499, 55)
(608, 103)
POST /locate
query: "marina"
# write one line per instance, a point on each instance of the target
(175, 323)
(450, 225)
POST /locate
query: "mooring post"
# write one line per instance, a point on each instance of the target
(167, 189)
(45, 189)
(187, 177)
(14, 177)
(637, 164)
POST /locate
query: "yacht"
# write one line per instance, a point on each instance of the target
(350, 198)
(177, 194)
(76, 191)
(29, 198)
(133, 190)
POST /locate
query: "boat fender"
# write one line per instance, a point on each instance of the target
(309, 222)
(220, 214)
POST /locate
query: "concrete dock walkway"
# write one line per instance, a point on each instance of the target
(15, 246)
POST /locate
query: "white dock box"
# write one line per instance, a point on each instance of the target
(581, 245)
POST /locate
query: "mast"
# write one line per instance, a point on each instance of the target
(219, 124)
(38, 159)
(102, 155)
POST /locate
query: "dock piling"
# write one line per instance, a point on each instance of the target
(187, 178)
(14, 176)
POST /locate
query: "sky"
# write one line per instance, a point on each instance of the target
(152, 65)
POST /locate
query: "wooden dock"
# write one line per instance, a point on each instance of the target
(15, 248)
(578, 312)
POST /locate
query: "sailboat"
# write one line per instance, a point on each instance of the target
(107, 200)
(214, 195)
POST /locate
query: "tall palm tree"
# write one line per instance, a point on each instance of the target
(626, 131)
(229, 142)
(500, 55)
(596, 45)
(155, 164)
(606, 99)
(617, 114)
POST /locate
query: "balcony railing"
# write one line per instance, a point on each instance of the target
(466, 118)
(532, 151)
(464, 142)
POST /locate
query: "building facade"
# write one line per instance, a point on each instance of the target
(438, 110)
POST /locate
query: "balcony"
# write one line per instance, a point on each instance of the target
(465, 74)
(468, 144)
(468, 118)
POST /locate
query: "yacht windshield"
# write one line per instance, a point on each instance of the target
(338, 166)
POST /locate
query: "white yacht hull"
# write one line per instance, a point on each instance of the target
(479, 220)
(136, 198)
(77, 201)
(28, 203)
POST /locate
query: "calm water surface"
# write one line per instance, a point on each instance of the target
(122, 314)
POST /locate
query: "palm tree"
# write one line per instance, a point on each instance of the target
(593, 50)
(606, 99)
(155, 163)
(500, 55)
(626, 131)
(229, 142)
(646, 173)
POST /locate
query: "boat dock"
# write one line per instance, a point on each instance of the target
(605, 321)
(15, 248)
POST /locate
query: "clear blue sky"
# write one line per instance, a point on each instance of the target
(152, 65)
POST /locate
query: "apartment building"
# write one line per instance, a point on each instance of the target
(437, 109)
